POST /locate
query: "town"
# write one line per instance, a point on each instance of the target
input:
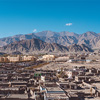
(49, 49)
(72, 76)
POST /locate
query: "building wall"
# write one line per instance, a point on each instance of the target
(28, 58)
(14, 59)
(17, 59)
(48, 57)
(1, 59)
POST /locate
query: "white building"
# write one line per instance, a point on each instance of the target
(48, 57)
(28, 58)
(14, 59)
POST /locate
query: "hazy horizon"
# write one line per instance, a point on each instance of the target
(46, 30)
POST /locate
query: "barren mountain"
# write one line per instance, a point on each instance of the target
(88, 35)
(63, 38)
(36, 45)
(9, 40)
(65, 33)
(33, 45)
(95, 42)
(47, 34)
(78, 48)
(90, 39)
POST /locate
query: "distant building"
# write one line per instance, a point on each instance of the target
(48, 57)
(17, 58)
(1, 59)
(14, 59)
(4, 59)
(28, 58)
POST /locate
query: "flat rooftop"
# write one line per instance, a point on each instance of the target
(19, 96)
(57, 95)
(11, 88)
(54, 89)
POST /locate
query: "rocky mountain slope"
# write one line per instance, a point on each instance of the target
(90, 39)
(36, 45)
(33, 45)
(78, 48)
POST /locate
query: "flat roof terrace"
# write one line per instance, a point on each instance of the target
(17, 96)
(57, 96)
(54, 90)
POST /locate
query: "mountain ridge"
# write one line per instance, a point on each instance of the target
(64, 38)
(36, 45)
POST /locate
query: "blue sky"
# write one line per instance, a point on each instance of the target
(27, 16)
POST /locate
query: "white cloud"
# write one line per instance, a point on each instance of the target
(34, 30)
(68, 24)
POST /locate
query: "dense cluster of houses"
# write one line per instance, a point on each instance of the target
(69, 58)
(18, 83)
(77, 58)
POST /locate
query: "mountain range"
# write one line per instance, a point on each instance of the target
(90, 39)
(51, 42)
(38, 46)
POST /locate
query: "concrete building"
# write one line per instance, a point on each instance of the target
(14, 59)
(17, 58)
(1, 59)
(4, 59)
(55, 93)
(28, 58)
(48, 57)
